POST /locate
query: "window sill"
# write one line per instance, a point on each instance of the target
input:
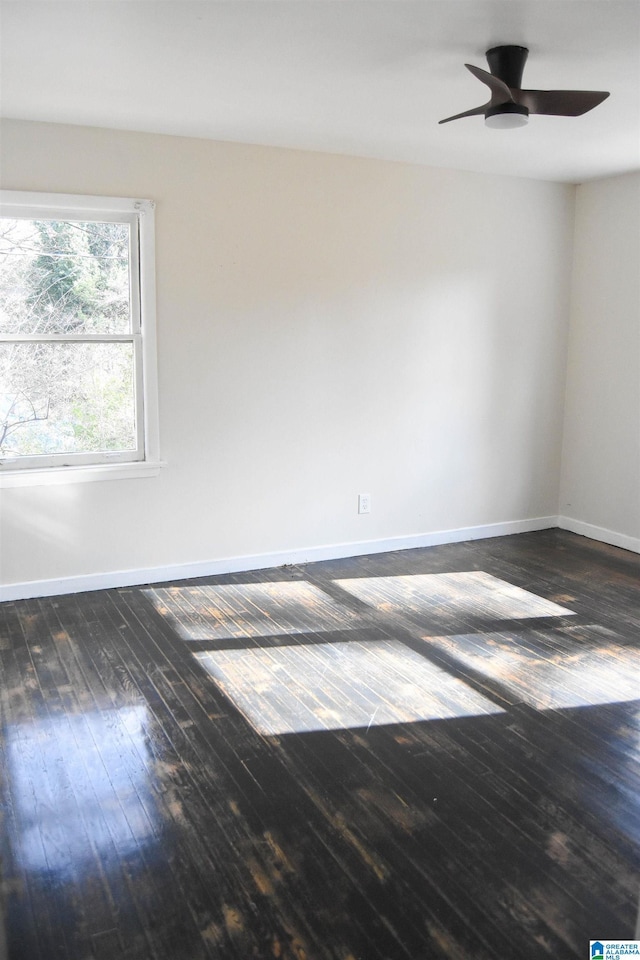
(87, 473)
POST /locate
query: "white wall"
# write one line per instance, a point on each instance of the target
(600, 488)
(327, 325)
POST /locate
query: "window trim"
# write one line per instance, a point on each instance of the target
(140, 214)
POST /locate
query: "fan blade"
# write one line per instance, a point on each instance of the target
(560, 103)
(467, 113)
(500, 92)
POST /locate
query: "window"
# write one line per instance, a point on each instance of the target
(77, 336)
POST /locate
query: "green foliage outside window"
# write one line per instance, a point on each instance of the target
(63, 278)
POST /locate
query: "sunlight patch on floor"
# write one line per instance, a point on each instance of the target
(239, 611)
(330, 686)
(548, 670)
(451, 596)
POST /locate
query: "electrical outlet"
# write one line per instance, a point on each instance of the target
(364, 503)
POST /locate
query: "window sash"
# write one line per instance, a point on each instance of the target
(138, 214)
(135, 454)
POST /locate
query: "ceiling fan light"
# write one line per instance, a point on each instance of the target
(506, 116)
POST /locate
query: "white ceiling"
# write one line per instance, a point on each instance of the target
(370, 78)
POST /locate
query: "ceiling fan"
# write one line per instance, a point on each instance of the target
(509, 105)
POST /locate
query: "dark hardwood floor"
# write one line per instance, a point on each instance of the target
(425, 754)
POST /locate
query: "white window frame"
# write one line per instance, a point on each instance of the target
(145, 460)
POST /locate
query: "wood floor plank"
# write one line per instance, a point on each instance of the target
(244, 780)
(460, 781)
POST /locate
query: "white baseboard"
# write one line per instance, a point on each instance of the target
(600, 533)
(209, 568)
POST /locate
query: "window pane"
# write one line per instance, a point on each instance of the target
(58, 398)
(64, 276)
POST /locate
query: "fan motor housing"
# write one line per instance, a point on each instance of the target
(507, 63)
